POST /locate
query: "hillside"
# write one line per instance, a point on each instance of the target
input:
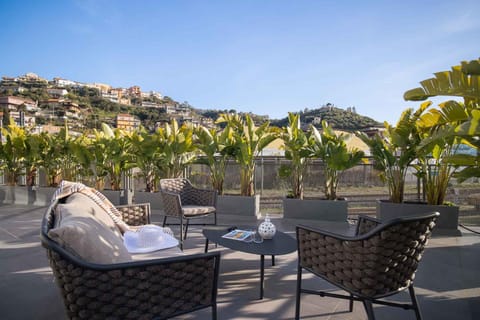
(338, 118)
(93, 108)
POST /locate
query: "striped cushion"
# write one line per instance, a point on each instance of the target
(192, 210)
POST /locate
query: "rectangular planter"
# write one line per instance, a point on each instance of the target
(113, 196)
(238, 205)
(17, 195)
(329, 210)
(154, 198)
(44, 195)
(447, 222)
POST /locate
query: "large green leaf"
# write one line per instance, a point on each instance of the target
(460, 81)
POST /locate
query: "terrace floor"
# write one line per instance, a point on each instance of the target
(447, 282)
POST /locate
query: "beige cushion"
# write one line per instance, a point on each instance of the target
(165, 253)
(192, 210)
(83, 229)
(81, 203)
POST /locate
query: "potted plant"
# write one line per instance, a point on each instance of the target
(394, 150)
(112, 159)
(177, 149)
(165, 153)
(248, 141)
(441, 131)
(461, 81)
(13, 151)
(146, 151)
(216, 146)
(298, 150)
(332, 149)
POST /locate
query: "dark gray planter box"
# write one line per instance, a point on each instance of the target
(447, 223)
(113, 196)
(329, 210)
(17, 195)
(238, 205)
(154, 198)
(44, 195)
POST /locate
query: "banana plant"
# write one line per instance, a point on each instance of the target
(13, 151)
(216, 146)
(298, 150)
(451, 124)
(65, 150)
(250, 140)
(177, 149)
(395, 150)
(33, 153)
(461, 81)
(469, 132)
(146, 150)
(332, 149)
(111, 150)
(81, 148)
(48, 160)
(438, 149)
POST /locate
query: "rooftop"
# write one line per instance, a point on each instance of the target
(447, 282)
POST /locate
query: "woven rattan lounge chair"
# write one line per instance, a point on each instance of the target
(154, 287)
(379, 261)
(183, 201)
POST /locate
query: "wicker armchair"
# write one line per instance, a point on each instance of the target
(379, 261)
(183, 201)
(157, 288)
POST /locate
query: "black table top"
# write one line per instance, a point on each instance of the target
(280, 244)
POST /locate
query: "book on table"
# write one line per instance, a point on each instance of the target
(238, 234)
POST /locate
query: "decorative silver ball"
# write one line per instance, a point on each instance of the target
(267, 229)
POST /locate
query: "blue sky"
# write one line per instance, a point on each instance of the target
(267, 57)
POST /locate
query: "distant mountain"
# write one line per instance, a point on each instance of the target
(338, 118)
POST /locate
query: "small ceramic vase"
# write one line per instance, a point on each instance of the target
(267, 229)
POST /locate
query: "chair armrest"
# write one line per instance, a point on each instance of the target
(172, 203)
(135, 214)
(365, 224)
(204, 197)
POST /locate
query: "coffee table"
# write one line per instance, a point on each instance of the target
(279, 245)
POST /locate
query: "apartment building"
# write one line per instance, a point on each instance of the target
(22, 120)
(59, 82)
(127, 122)
(135, 91)
(13, 103)
(57, 92)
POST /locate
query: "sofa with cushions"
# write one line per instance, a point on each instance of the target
(99, 278)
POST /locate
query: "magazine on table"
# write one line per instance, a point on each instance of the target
(238, 234)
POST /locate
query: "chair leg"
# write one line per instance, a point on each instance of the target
(413, 297)
(350, 305)
(369, 309)
(299, 289)
(181, 234)
(214, 311)
(164, 221)
(186, 230)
